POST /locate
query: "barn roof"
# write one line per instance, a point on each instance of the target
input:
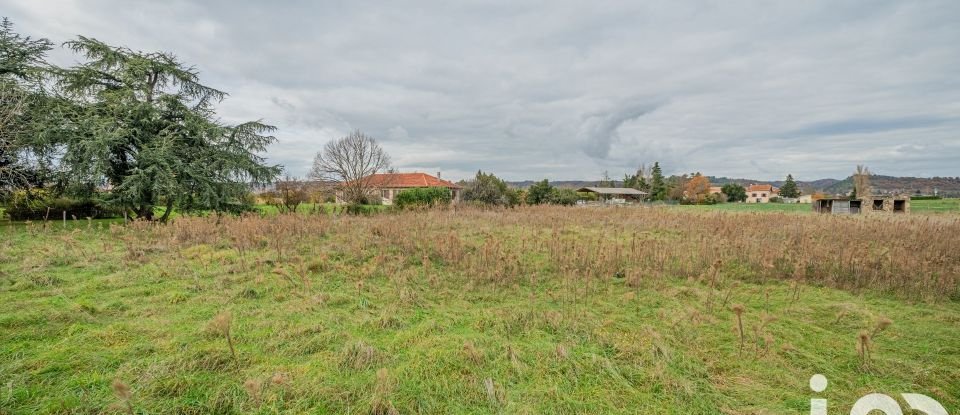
(613, 191)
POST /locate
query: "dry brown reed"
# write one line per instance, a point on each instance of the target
(381, 404)
(254, 389)
(911, 256)
(882, 324)
(222, 323)
(863, 346)
(123, 394)
(738, 309)
(472, 353)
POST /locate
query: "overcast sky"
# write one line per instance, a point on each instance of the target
(563, 90)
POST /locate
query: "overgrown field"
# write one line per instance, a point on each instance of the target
(530, 310)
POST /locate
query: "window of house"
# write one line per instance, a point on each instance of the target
(385, 194)
(763, 194)
(754, 195)
(878, 205)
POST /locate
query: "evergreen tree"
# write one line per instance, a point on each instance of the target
(636, 181)
(658, 187)
(22, 103)
(21, 57)
(144, 124)
(789, 188)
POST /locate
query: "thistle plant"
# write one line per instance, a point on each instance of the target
(254, 388)
(882, 324)
(863, 346)
(221, 323)
(738, 309)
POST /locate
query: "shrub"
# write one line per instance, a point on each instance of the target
(423, 196)
(734, 192)
(41, 204)
(564, 197)
(487, 189)
(288, 196)
(539, 193)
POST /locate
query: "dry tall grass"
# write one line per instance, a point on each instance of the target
(913, 257)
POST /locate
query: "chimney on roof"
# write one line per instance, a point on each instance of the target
(438, 174)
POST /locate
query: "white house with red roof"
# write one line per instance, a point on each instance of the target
(388, 185)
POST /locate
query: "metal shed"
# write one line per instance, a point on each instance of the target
(615, 194)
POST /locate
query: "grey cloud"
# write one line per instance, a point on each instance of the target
(852, 126)
(598, 132)
(563, 89)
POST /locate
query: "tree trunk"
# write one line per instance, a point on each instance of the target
(166, 213)
(145, 212)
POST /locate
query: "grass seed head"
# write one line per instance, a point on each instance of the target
(253, 387)
(882, 324)
(221, 322)
(121, 390)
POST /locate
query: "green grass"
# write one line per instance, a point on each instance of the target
(935, 206)
(268, 210)
(80, 308)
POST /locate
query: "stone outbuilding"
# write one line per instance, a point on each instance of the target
(863, 205)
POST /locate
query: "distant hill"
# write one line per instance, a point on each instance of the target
(944, 186)
(571, 184)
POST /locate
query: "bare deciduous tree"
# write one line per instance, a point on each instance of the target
(861, 181)
(288, 195)
(351, 160)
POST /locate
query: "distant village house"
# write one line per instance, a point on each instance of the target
(761, 193)
(387, 186)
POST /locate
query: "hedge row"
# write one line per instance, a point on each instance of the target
(422, 196)
(39, 205)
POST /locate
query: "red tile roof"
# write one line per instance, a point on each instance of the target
(405, 180)
(760, 188)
